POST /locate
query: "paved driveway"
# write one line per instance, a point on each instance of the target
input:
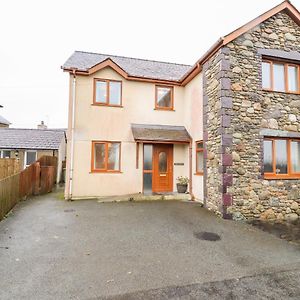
(53, 249)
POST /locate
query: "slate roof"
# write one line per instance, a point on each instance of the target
(43, 139)
(136, 67)
(4, 121)
(166, 133)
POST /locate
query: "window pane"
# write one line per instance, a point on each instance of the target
(266, 75)
(268, 157)
(99, 159)
(295, 155)
(278, 70)
(293, 78)
(6, 153)
(147, 157)
(281, 156)
(199, 145)
(164, 97)
(162, 162)
(115, 93)
(113, 156)
(199, 166)
(101, 92)
(147, 182)
(30, 157)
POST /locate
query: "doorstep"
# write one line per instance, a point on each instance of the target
(147, 197)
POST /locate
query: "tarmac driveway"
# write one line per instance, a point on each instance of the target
(53, 249)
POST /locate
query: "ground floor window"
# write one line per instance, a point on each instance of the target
(30, 157)
(281, 158)
(147, 168)
(199, 158)
(5, 154)
(106, 156)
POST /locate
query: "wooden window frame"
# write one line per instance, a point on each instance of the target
(199, 150)
(157, 107)
(286, 78)
(290, 174)
(105, 170)
(107, 81)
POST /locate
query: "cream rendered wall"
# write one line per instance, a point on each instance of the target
(113, 124)
(193, 96)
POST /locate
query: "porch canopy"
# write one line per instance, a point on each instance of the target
(147, 133)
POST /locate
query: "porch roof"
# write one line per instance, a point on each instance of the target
(160, 133)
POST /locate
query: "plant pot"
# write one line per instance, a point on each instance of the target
(181, 188)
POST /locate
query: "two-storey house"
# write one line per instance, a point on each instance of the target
(231, 122)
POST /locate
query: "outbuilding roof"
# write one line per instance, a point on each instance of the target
(160, 133)
(135, 67)
(4, 121)
(40, 139)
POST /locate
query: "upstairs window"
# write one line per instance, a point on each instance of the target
(280, 77)
(106, 156)
(281, 158)
(164, 97)
(107, 92)
(199, 158)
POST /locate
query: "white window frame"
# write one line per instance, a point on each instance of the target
(25, 157)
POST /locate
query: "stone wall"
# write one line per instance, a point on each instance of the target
(217, 134)
(253, 110)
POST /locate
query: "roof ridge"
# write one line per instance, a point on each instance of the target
(35, 129)
(144, 59)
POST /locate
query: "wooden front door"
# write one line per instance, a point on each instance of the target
(162, 168)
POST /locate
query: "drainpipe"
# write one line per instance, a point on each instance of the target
(191, 170)
(72, 136)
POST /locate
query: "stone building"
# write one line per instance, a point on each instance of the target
(245, 92)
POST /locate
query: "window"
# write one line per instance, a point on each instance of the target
(280, 77)
(281, 158)
(30, 157)
(106, 156)
(199, 158)
(107, 92)
(4, 153)
(164, 97)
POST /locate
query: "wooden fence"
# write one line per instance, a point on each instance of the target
(8, 167)
(38, 178)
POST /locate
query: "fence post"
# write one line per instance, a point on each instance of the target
(37, 178)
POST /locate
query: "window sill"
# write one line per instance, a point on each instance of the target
(105, 172)
(107, 105)
(289, 93)
(164, 109)
(281, 177)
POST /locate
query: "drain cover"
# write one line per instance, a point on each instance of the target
(207, 236)
(69, 210)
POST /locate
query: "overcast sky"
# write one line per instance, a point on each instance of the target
(38, 36)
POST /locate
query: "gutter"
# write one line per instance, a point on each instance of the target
(70, 189)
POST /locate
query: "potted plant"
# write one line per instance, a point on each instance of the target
(182, 184)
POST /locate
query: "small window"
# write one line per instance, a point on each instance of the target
(199, 158)
(280, 77)
(30, 157)
(5, 154)
(107, 92)
(106, 156)
(281, 158)
(164, 97)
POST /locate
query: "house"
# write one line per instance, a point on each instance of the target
(230, 122)
(28, 145)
